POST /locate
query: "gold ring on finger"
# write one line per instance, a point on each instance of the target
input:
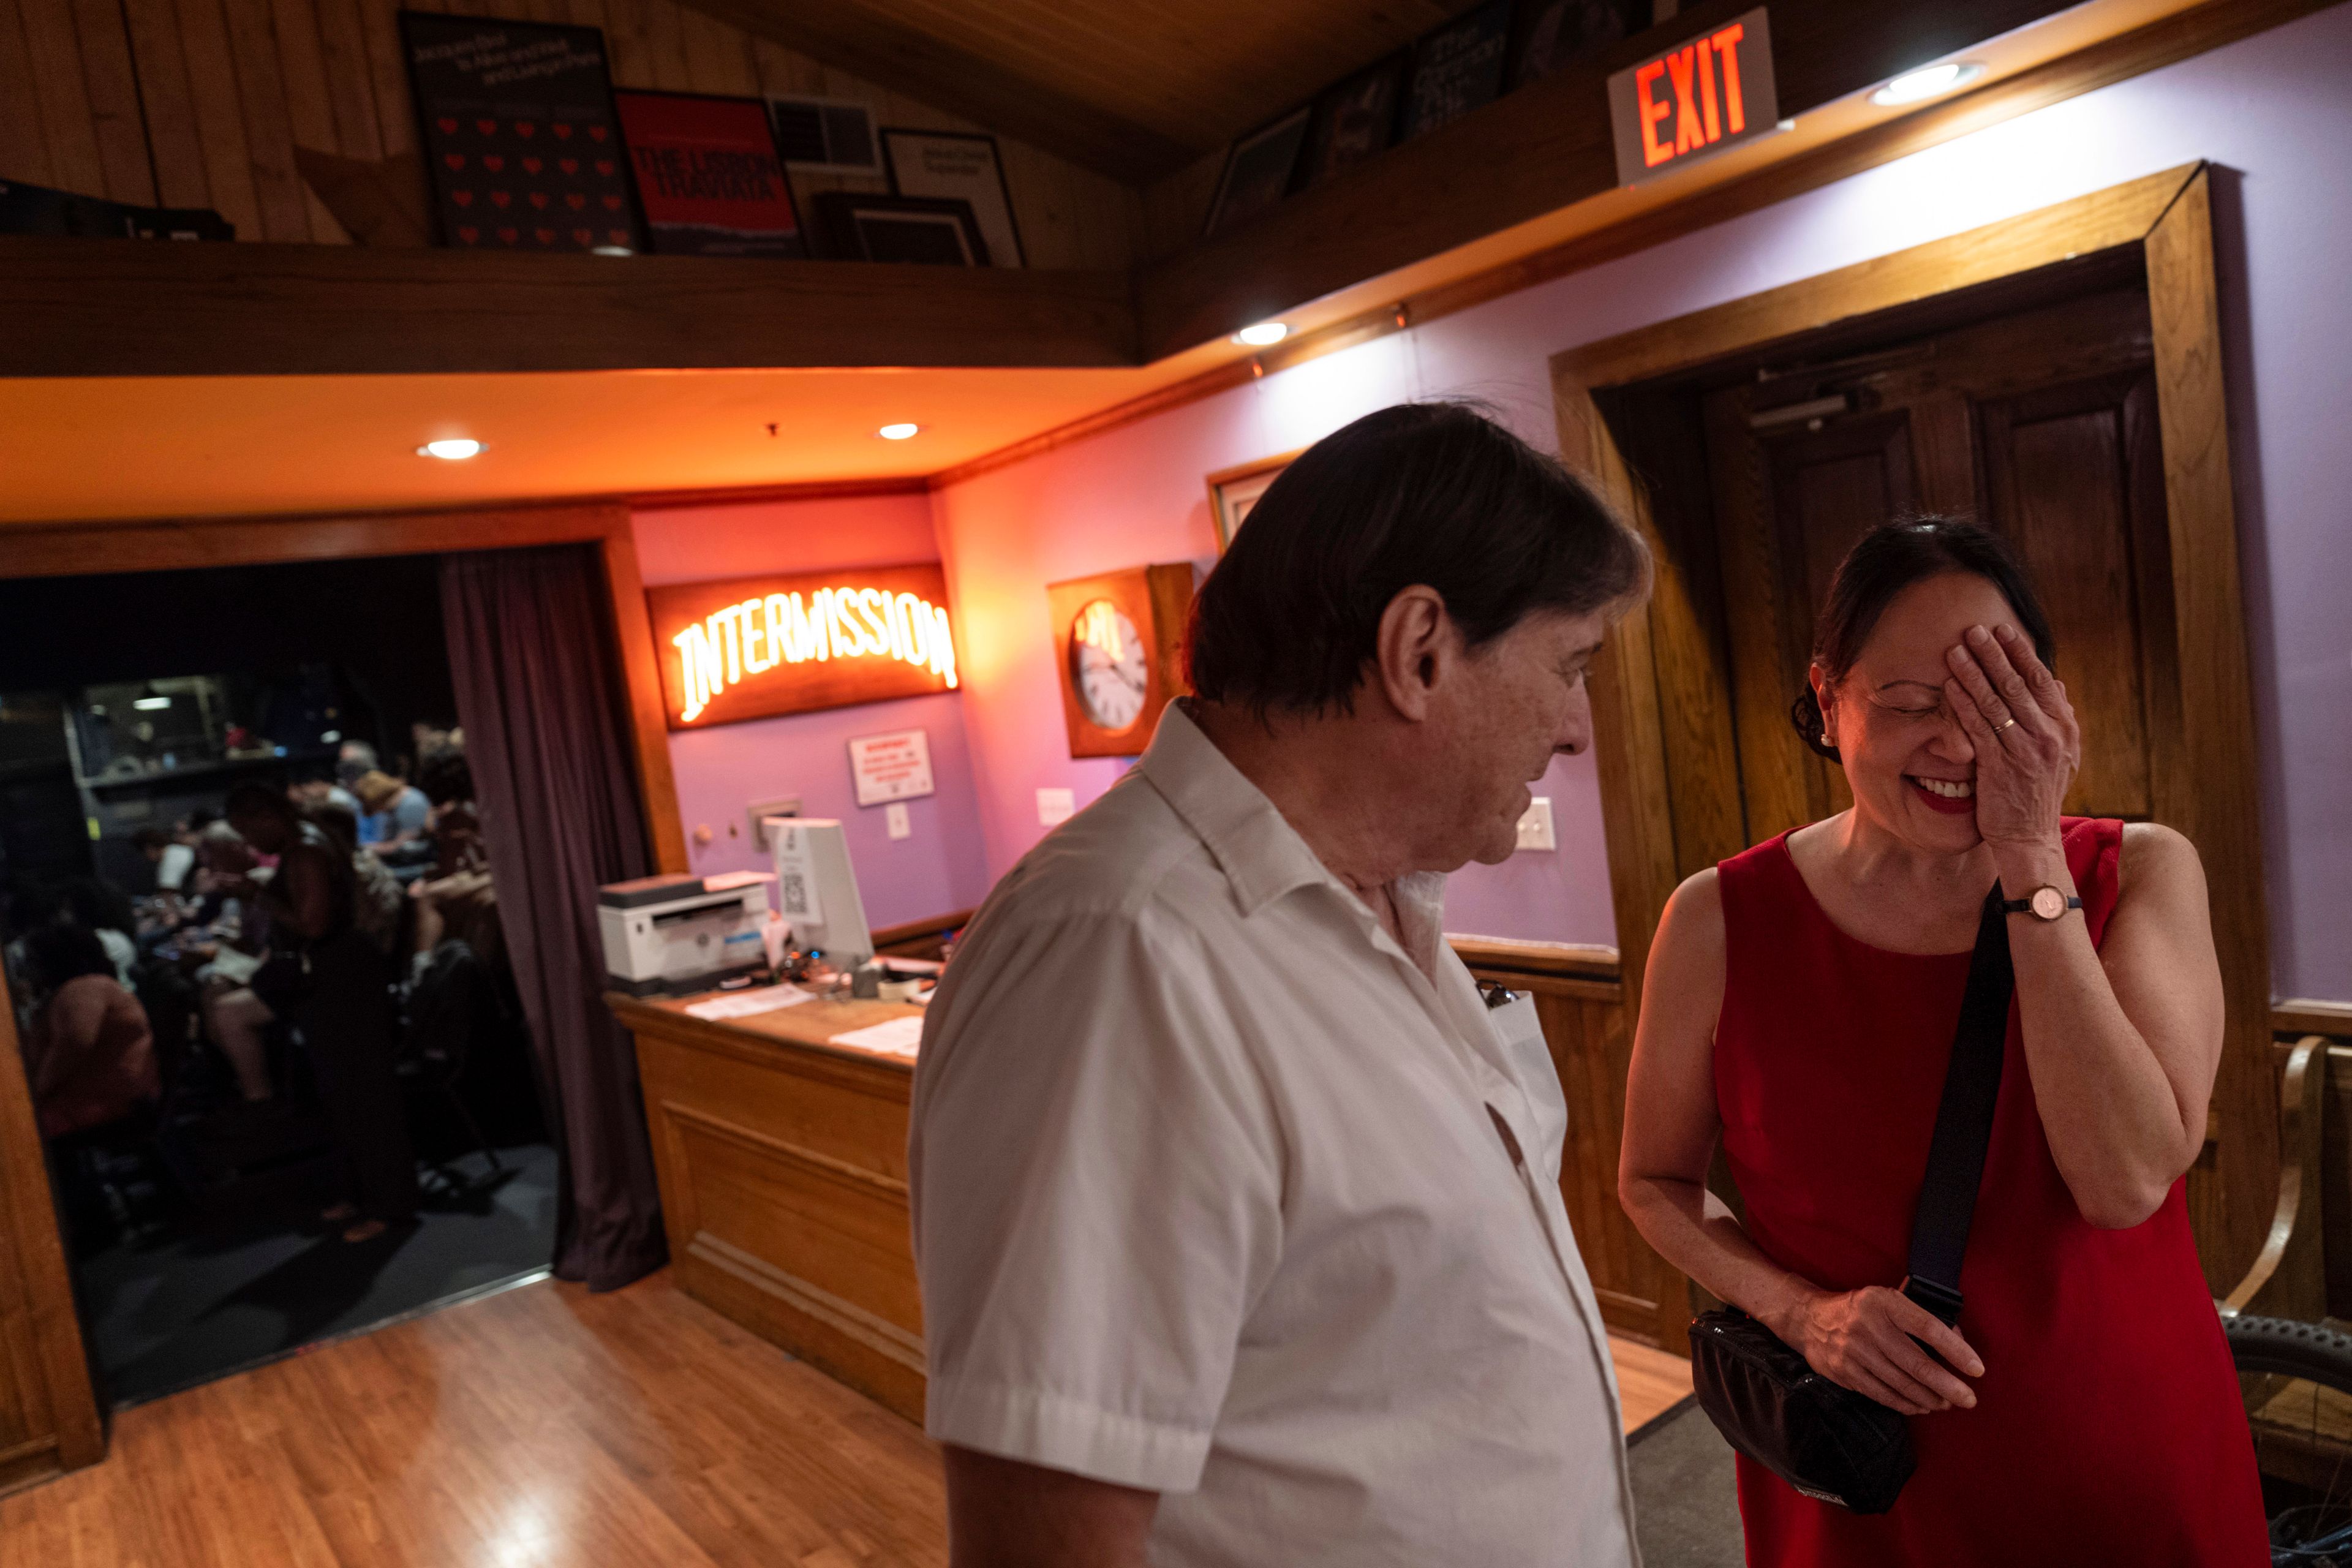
(2008, 723)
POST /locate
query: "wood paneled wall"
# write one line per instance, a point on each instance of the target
(201, 103)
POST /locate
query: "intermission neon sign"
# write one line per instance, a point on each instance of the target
(756, 635)
(750, 648)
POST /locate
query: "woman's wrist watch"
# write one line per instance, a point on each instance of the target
(2044, 903)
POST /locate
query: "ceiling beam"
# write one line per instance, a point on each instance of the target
(102, 307)
(859, 41)
(1532, 152)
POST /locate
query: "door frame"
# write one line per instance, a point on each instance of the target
(39, 1331)
(1667, 667)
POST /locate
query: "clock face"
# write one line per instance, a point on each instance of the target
(1108, 666)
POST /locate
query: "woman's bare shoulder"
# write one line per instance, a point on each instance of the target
(2151, 852)
(1689, 945)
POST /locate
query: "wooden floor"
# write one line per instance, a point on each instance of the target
(541, 1427)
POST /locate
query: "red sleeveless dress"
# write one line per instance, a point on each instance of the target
(2108, 1427)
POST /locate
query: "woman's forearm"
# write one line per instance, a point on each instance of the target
(1697, 1232)
(2114, 1122)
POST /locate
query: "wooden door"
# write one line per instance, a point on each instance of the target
(2041, 425)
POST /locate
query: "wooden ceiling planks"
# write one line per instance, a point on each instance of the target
(1136, 89)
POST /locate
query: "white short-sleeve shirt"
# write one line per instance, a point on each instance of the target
(1211, 1198)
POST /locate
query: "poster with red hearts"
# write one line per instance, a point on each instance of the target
(710, 175)
(521, 135)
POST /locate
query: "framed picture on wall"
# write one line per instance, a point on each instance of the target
(1353, 121)
(1457, 68)
(938, 230)
(1556, 33)
(519, 135)
(1258, 170)
(709, 174)
(962, 166)
(1234, 491)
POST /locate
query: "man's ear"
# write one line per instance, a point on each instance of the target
(1416, 643)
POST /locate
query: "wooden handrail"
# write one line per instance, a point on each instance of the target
(2287, 1279)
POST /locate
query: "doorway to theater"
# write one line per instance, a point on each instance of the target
(258, 962)
(2055, 377)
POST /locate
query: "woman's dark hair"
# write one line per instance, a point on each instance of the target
(253, 798)
(98, 905)
(338, 823)
(445, 775)
(1887, 559)
(1430, 494)
(57, 953)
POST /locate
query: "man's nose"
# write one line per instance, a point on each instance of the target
(1575, 734)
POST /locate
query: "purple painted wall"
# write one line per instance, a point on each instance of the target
(721, 771)
(2275, 110)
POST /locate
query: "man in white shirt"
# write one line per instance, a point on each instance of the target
(1236, 1206)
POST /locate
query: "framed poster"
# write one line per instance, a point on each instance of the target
(520, 136)
(934, 229)
(1353, 121)
(1556, 33)
(709, 174)
(962, 166)
(1258, 170)
(1235, 491)
(1457, 69)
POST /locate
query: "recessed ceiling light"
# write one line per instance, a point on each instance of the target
(1265, 335)
(1926, 82)
(897, 432)
(150, 704)
(455, 448)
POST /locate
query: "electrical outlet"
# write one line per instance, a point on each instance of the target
(782, 805)
(1055, 806)
(894, 818)
(1535, 826)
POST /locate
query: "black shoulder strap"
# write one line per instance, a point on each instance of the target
(1947, 1199)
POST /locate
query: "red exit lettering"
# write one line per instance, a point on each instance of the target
(1689, 75)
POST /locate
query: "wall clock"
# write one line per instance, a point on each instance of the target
(1118, 641)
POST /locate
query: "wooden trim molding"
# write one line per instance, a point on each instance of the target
(43, 1370)
(2103, 64)
(2310, 1015)
(915, 930)
(2166, 218)
(1568, 960)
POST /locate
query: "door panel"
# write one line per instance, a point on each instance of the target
(2041, 425)
(2059, 481)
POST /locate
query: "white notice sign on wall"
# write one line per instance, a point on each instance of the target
(896, 767)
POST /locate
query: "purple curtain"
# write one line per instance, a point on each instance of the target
(540, 696)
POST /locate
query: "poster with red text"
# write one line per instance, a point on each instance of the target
(519, 135)
(708, 173)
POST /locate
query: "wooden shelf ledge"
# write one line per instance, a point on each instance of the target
(98, 307)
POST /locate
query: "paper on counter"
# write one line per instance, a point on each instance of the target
(898, 1036)
(744, 1003)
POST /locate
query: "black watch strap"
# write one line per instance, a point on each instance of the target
(2025, 906)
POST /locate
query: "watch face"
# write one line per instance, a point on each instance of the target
(2048, 904)
(1108, 666)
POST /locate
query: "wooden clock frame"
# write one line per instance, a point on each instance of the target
(1159, 600)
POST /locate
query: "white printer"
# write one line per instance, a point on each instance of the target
(681, 934)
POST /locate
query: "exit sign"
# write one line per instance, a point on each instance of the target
(1708, 94)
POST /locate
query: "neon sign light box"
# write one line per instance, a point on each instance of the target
(754, 647)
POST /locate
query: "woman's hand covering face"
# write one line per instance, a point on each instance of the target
(2022, 768)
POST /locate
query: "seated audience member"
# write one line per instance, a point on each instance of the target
(237, 1014)
(456, 901)
(105, 909)
(89, 1055)
(342, 1004)
(310, 794)
(355, 759)
(399, 811)
(173, 854)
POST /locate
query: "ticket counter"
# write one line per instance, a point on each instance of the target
(782, 1160)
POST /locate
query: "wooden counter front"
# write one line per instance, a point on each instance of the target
(782, 1163)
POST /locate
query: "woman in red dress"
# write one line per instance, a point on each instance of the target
(1799, 1008)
